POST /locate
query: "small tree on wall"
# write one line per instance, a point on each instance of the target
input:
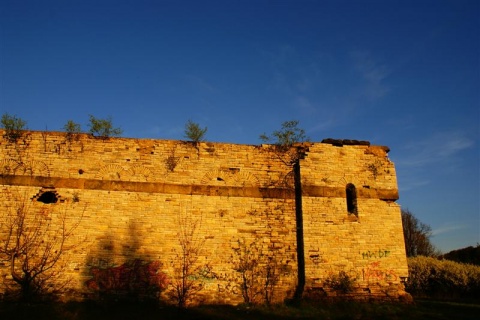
(103, 128)
(13, 126)
(194, 132)
(287, 136)
(72, 129)
(33, 239)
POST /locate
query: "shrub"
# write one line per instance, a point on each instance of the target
(284, 139)
(194, 132)
(287, 136)
(13, 127)
(342, 282)
(103, 128)
(71, 129)
(430, 277)
(134, 280)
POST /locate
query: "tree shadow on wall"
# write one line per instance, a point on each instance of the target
(118, 271)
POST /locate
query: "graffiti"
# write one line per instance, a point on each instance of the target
(135, 278)
(229, 287)
(317, 259)
(374, 272)
(222, 282)
(204, 274)
(375, 254)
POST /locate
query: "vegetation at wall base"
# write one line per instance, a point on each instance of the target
(443, 279)
(91, 310)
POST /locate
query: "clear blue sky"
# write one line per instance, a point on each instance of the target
(405, 74)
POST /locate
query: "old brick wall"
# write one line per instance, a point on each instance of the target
(136, 198)
(367, 245)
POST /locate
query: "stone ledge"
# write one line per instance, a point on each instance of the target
(208, 190)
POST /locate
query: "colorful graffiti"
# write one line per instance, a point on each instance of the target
(375, 254)
(375, 273)
(136, 278)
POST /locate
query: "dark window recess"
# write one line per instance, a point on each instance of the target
(48, 197)
(351, 199)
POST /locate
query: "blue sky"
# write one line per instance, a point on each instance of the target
(405, 74)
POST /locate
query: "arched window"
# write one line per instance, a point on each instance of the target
(351, 199)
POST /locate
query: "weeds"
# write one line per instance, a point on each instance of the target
(342, 282)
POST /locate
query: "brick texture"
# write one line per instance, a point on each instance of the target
(135, 199)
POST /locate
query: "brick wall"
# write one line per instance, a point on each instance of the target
(135, 199)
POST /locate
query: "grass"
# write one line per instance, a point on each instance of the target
(421, 309)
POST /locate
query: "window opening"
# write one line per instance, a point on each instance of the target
(351, 199)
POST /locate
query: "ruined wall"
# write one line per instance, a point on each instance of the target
(136, 199)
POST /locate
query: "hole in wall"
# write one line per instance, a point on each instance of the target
(48, 197)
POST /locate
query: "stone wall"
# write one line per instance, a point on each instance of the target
(233, 207)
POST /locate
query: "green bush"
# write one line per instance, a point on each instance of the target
(341, 283)
(103, 128)
(13, 126)
(194, 132)
(433, 278)
(72, 130)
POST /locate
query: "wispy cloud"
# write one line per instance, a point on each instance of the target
(447, 229)
(412, 183)
(320, 85)
(435, 148)
(373, 75)
(442, 149)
